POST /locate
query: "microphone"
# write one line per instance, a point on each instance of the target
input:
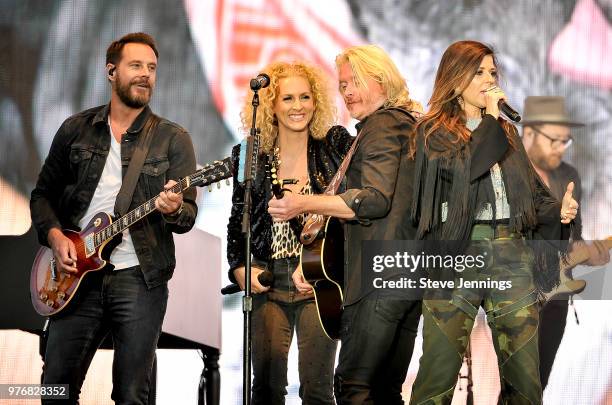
(508, 111)
(262, 80)
(266, 278)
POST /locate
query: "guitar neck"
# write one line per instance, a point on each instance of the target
(138, 213)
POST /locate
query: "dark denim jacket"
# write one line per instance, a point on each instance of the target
(71, 172)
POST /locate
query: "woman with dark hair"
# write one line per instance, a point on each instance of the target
(297, 142)
(474, 183)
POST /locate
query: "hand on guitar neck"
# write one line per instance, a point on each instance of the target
(285, 206)
(169, 203)
(599, 253)
(595, 253)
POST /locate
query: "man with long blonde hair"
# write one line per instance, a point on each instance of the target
(377, 333)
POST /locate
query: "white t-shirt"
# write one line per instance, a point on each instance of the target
(124, 255)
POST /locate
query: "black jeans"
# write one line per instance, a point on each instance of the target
(107, 301)
(377, 341)
(276, 315)
(553, 318)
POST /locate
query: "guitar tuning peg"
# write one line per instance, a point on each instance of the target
(209, 188)
(227, 182)
(218, 185)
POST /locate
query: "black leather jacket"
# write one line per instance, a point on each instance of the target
(71, 172)
(324, 158)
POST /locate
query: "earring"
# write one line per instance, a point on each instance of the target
(460, 101)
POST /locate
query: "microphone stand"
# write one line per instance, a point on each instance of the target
(247, 299)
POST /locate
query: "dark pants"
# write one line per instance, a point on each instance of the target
(377, 340)
(275, 316)
(552, 325)
(107, 301)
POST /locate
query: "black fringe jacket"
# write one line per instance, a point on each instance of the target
(450, 172)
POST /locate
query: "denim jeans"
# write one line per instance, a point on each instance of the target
(276, 315)
(107, 301)
(377, 341)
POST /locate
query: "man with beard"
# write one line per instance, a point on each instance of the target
(546, 137)
(82, 175)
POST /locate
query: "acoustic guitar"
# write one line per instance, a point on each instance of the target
(322, 260)
(51, 290)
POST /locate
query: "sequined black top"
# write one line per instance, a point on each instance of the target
(324, 158)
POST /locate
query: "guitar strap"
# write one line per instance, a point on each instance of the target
(128, 185)
(333, 185)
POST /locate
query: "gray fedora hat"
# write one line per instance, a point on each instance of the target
(547, 110)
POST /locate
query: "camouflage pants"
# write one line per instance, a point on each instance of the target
(512, 314)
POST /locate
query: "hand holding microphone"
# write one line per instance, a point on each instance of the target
(496, 101)
(261, 280)
(493, 96)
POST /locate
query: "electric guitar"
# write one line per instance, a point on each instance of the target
(569, 285)
(51, 289)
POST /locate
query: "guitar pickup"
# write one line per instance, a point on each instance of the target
(90, 248)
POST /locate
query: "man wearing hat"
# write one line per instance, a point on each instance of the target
(546, 136)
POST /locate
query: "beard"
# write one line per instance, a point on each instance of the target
(547, 162)
(124, 91)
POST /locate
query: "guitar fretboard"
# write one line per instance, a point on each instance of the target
(136, 214)
(208, 174)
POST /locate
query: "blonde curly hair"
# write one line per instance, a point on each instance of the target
(372, 61)
(324, 114)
